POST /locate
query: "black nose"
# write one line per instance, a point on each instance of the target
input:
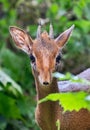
(45, 83)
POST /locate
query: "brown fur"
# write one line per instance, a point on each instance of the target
(47, 113)
(45, 51)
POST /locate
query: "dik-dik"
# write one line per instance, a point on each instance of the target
(45, 55)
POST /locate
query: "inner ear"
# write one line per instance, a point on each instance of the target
(21, 39)
(63, 37)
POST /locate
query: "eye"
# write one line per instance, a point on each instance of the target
(58, 58)
(32, 58)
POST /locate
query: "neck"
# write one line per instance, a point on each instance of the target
(48, 111)
(43, 91)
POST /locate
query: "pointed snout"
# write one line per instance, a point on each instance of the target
(45, 78)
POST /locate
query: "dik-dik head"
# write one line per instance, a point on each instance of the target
(44, 51)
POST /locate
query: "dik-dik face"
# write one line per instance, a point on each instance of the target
(44, 51)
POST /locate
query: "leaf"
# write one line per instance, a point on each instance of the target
(58, 124)
(69, 101)
(8, 107)
(54, 8)
(7, 81)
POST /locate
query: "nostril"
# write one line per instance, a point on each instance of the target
(45, 83)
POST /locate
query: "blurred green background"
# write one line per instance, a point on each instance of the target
(17, 96)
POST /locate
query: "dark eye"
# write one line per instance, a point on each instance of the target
(58, 58)
(32, 58)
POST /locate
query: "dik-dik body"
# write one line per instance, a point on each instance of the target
(45, 54)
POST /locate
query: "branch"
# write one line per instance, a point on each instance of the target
(68, 86)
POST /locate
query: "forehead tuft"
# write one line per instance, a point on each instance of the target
(44, 35)
(44, 44)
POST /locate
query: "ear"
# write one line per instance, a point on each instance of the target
(63, 37)
(21, 39)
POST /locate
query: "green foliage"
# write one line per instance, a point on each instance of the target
(70, 101)
(17, 113)
(66, 13)
(8, 104)
(10, 84)
(70, 77)
(58, 124)
(13, 65)
(7, 18)
(14, 106)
